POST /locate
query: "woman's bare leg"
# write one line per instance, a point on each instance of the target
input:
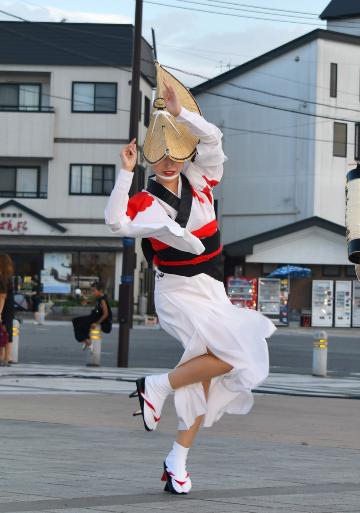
(201, 368)
(186, 438)
(8, 352)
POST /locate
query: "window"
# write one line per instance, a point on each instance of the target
(268, 268)
(24, 97)
(94, 97)
(23, 182)
(97, 180)
(331, 270)
(146, 111)
(333, 80)
(88, 267)
(340, 139)
(357, 142)
(350, 271)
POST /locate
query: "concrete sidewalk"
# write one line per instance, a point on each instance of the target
(83, 453)
(52, 379)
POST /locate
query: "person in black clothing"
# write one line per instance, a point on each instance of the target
(36, 299)
(6, 304)
(101, 314)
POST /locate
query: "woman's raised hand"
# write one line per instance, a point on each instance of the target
(129, 156)
(173, 104)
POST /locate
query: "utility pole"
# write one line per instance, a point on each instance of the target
(126, 288)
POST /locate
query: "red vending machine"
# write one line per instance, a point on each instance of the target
(242, 291)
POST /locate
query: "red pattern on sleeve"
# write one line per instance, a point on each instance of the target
(211, 183)
(138, 203)
(197, 195)
(207, 191)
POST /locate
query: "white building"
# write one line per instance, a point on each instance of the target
(289, 119)
(64, 115)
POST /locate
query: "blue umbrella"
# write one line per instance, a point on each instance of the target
(290, 271)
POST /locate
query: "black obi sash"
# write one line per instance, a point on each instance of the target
(174, 261)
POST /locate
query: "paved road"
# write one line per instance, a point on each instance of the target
(290, 350)
(87, 454)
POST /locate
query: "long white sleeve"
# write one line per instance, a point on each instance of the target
(207, 169)
(115, 211)
(143, 216)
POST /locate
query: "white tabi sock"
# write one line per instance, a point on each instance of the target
(157, 388)
(176, 463)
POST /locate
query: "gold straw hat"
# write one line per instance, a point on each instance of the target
(166, 137)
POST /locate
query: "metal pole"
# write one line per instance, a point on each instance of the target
(320, 350)
(154, 43)
(94, 355)
(126, 289)
(15, 341)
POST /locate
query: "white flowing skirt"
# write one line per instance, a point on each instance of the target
(197, 312)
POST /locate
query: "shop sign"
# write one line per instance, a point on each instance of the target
(13, 222)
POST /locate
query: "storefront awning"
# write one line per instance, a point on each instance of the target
(55, 243)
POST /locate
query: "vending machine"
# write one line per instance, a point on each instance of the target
(269, 298)
(322, 303)
(284, 299)
(343, 299)
(242, 291)
(355, 304)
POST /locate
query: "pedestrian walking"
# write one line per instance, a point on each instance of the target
(100, 314)
(6, 308)
(225, 351)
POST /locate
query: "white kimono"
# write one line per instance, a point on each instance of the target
(196, 309)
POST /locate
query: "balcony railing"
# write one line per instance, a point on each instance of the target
(25, 108)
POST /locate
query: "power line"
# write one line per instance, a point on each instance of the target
(286, 136)
(66, 27)
(283, 109)
(193, 74)
(12, 15)
(264, 8)
(234, 15)
(242, 9)
(271, 94)
(259, 104)
(315, 86)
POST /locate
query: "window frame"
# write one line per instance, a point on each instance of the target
(147, 111)
(39, 194)
(18, 84)
(102, 181)
(73, 111)
(336, 142)
(357, 142)
(333, 79)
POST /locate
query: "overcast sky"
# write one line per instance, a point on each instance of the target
(197, 42)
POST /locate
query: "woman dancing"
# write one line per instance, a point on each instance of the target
(225, 351)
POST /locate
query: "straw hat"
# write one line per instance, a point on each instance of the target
(166, 137)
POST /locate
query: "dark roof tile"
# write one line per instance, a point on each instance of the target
(338, 9)
(71, 44)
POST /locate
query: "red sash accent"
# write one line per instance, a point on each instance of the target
(204, 231)
(194, 261)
